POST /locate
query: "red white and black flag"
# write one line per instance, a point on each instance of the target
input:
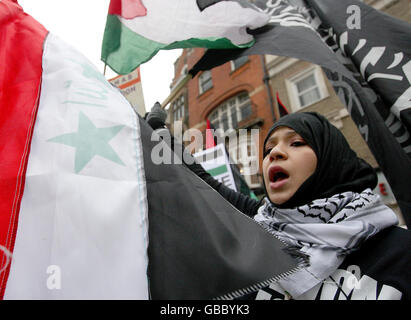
(365, 54)
(85, 213)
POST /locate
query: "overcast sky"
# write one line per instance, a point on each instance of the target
(81, 23)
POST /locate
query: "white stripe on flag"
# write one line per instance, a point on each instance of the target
(82, 231)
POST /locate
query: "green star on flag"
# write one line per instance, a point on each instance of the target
(90, 141)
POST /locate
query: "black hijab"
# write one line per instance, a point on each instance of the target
(338, 167)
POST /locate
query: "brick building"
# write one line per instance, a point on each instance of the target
(241, 95)
(232, 96)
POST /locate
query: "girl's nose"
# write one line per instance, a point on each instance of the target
(278, 153)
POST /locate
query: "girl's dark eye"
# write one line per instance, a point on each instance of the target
(298, 143)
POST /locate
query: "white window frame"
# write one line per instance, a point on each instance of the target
(226, 108)
(202, 81)
(190, 51)
(233, 68)
(293, 94)
(178, 108)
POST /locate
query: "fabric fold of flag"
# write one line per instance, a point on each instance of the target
(19, 101)
(135, 31)
(85, 212)
(369, 68)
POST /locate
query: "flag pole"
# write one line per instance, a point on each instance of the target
(104, 72)
(176, 90)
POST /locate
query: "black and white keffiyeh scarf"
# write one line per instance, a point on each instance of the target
(326, 230)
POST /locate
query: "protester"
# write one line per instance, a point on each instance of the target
(319, 199)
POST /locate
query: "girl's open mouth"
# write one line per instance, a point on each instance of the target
(278, 177)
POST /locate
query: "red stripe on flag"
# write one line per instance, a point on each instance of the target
(20, 80)
(127, 9)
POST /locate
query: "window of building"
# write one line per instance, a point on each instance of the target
(237, 63)
(228, 114)
(178, 108)
(308, 91)
(189, 51)
(306, 88)
(205, 81)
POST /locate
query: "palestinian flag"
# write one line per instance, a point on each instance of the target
(136, 29)
(84, 212)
